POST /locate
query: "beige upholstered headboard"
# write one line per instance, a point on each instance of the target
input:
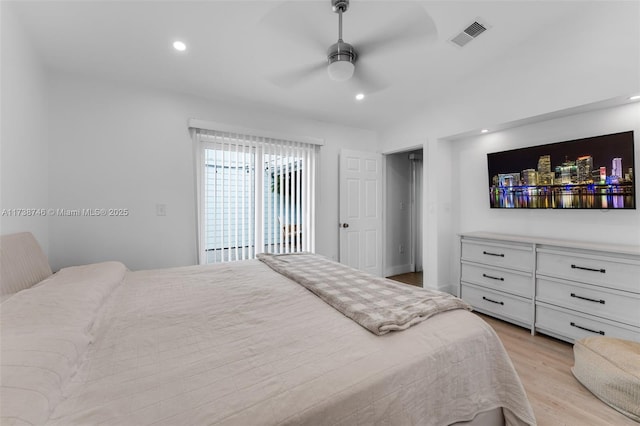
(22, 262)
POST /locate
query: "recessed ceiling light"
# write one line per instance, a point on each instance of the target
(179, 46)
(360, 96)
(484, 130)
(634, 98)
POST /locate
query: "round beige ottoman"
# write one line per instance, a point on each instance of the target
(610, 369)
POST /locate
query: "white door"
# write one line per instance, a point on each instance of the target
(361, 210)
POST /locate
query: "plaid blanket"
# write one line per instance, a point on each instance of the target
(377, 304)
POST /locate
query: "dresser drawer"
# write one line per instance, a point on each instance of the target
(598, 301)
(496, 254)
(621, 274)
(498, 279)
(573, 325)
(499, 304)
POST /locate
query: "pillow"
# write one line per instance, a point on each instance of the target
(46, 331)
(22, 263)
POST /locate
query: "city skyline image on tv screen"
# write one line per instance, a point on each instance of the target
(590, 173)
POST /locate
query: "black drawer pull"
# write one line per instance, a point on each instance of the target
(493, 278)
(586, 298)
(573, 324)
(492, 301)
(584, 268)
(488, 253)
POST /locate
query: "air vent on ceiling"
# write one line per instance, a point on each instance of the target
(469, 33)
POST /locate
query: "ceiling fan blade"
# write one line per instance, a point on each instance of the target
(365, 81)
(293, 22)
(289, 79)
(411, 26)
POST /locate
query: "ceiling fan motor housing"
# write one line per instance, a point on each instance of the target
(341, 51)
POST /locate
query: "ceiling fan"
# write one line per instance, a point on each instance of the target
(341, 56)
(350, 62)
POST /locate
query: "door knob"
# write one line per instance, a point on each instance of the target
(345, 225)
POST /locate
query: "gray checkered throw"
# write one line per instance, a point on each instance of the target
(378, 304)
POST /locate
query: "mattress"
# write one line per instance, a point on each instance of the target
(239, 344)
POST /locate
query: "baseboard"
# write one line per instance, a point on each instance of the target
(451, 289)
(390, 271)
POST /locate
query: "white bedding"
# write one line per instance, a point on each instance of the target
(45, 333)
(239, 344)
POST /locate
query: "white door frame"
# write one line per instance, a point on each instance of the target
(385, 260)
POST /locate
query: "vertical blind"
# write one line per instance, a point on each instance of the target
(255, 195)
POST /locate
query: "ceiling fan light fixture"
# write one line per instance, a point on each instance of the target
(341, 70)
(342, 61)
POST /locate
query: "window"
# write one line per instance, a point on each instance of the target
(255, 195)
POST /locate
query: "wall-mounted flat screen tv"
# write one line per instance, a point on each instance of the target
(589, 173)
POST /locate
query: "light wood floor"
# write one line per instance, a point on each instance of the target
(413, 278)
(544, 366)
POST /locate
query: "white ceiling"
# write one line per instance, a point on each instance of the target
(236, 48)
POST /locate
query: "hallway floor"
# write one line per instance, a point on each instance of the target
(412, 278)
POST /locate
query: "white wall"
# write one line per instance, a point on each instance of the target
(560, 71)
(471, 203)
(120, 146)
(23, 133)
(471, 211)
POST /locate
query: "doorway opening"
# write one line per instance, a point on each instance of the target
(404, 183)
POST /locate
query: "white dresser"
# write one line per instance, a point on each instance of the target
(565, 289)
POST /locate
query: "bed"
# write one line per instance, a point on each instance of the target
(230, 344)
